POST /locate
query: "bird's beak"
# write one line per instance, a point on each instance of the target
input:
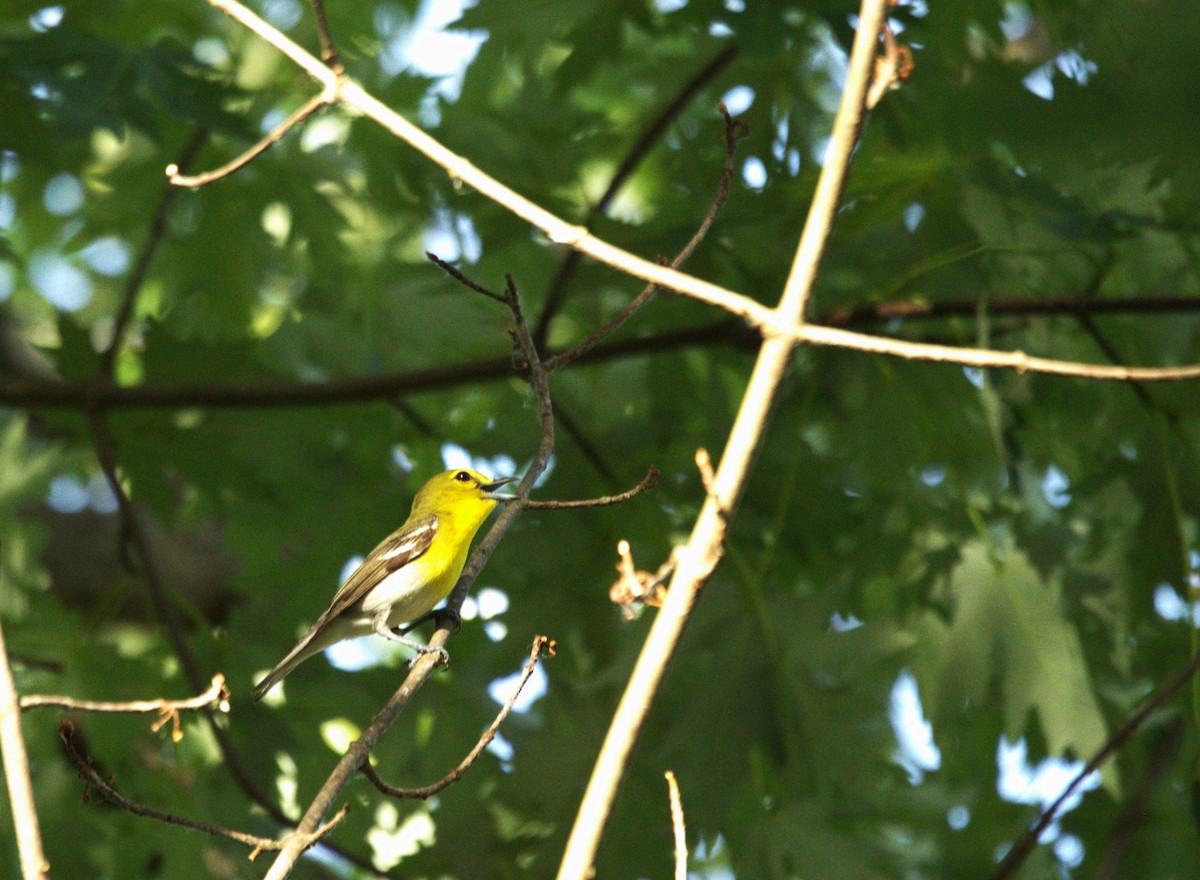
(489, 488)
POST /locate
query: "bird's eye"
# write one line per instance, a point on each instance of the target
(463, 477)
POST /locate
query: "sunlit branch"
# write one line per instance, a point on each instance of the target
(216, 697)
(540, 643)
(274, 136)
(680, 833)
(698, 559)
(16, 773)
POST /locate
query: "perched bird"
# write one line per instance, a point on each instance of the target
(412, 569)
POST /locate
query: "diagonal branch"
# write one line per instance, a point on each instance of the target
(540, 643)
(735, 130)
(1028, 839)
(358, 752)
(87, 771)
(556, 292)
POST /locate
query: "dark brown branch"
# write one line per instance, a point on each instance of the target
(1136, 810)
(462, 279)
(356, 755)
(158, 229)
(591, 452)
(305, 110)
(87, 771)
(1025, 843)
(653, 133)
(169, 619)
(648, 482)
(328, 51)
(735, 130)
(540, 643)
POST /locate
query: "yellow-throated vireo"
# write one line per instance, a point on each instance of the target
(411, 570)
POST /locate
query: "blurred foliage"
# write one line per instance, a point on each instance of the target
(1017, 550)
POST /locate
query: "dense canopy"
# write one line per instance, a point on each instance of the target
(942, 590)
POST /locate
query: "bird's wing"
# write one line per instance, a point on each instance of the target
(394, 552)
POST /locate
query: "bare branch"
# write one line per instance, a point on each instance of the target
(16, 771)
(357, 754)
(87, 771)
(735, 130)
(698, 559)
(681, 852)
(158, 229)
(648, 482)
(540, 643)
(216, 697)
(1025, 843)
(328, 51)
(556, 291)
(984, 357)
(301, 113)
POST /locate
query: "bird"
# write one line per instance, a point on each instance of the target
(411, 570)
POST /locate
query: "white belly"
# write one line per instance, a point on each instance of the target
(401, 592)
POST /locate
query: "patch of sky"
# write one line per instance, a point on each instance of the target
(210, 52)
(502, 749)
(452, 237)
(1020, 782)
(913, 215)
(916, 751)
(455, 456)
(46, 18)
(8, 210)
(933, 475)
(738, 99)
(501, 689)
(1056, 487)
(958, 817)
(974, 376)
(720, 30)
(283, 14)
(59, 281)
(106, 256)
(63, 194)
(754, 173)
(668, 6)
(428, 46)
(841, 624)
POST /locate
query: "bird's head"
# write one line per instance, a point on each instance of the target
(460, 493)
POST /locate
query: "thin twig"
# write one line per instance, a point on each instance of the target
(305, 110)
(648, 482)
(699, 558)
(540, 643)
(87, 771)
(766, 320)
(1025, 843)
(735, 130)
(216, 698)
(677, 825)
(359, 750)
(462, 279)
(556, 291)
(328, 51)
(133, 285)
(16, 771)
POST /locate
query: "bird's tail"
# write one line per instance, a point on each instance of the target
(304, 649)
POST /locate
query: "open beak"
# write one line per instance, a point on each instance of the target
(489, 488)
